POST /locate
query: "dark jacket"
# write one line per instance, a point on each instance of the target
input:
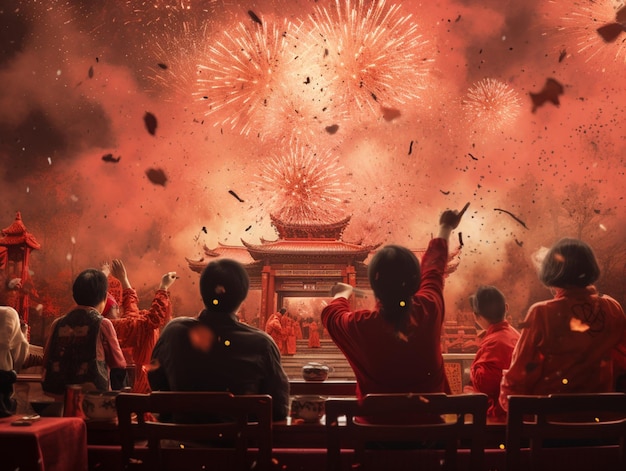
(242, 360)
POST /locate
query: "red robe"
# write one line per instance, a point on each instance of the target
(274, 328)
(314, 335)
(291, 337)
(138, 330)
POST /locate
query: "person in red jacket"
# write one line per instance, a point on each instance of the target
(495, 350)
(396, 347)
(274, 327)
(314, 335)
(573, 343)
(138, 329)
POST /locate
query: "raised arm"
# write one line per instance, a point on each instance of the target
(449, 220)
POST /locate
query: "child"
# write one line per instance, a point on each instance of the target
(569, 344)
(495, 350)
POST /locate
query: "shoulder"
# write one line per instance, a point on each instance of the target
(180, 323)
(9, 315)
(608, 300)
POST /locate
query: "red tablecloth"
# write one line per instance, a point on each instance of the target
(50, 444)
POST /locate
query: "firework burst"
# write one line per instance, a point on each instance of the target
(169, 13)
(373, 55)
(175, 62)
(491, 105)
(576, 29)
(242, 71)
(303, 185)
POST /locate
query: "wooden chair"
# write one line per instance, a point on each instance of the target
(579, 429)
(246, 422)
(387, 424)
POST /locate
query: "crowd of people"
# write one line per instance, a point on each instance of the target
(575, 342)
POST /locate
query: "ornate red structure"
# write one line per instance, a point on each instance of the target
(305, 261)
(16, 244)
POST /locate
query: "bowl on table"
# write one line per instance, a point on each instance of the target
(47, 408)
(100, 405)
(308, 408)
(314, 371)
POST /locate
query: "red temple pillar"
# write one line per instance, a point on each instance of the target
(266, 274)
(351, 275)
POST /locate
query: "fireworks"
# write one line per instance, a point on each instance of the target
(576, 27)
(242, 71)
(166, 12)
(491, 105)
(302, 185)
(175, 68)
(373, 55)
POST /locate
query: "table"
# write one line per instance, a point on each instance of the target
(49, 444)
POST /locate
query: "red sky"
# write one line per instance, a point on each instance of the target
(77, 81)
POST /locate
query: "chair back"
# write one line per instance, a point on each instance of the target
(569, 431)
(217, 426)
(407, 421)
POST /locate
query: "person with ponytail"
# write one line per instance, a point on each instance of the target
(396, 347)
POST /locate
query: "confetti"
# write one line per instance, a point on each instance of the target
(151, 122)
(513, 216)
(110, 158)
(332, 129)
(236, 196)
(156, 176)
(550, 92)
(389, 114)
(90, 73)
(254, 17)
(410, 147)
(611, 31)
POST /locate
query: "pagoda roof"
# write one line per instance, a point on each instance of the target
(309, 230)
(16, 234)
(310, 248)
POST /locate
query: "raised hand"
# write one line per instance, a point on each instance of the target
(118, 270)
(168, 280)
(452, 217)
(341, 290)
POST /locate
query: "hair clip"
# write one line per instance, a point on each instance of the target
(402, 304)
(215, 302)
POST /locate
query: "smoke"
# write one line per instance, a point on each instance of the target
(77, 80)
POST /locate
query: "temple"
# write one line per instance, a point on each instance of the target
(306, 260)
(16, 243)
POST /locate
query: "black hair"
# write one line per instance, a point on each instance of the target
(569, 263)
(489, 302)
(223, 285)
(90, 287)
(394, 275)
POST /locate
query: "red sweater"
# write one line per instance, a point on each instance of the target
(493, 356)
(384, 363)
(569, 344)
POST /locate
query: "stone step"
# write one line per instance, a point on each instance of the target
(327, 354)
